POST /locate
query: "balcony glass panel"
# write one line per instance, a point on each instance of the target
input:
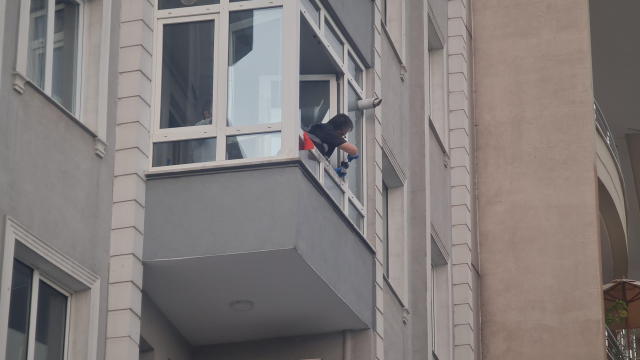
(355, 70)
(187, 74)
(315, 102)
(253, 146)
(184, 152)
(313, 10)
(334, 40)
(311, 161)
(255, 67)
(333, 189)
(356, 217)
(355, 137)
(171, 4)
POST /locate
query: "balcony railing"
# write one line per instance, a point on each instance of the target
(617, 347)
(614, 350)
(603, 129)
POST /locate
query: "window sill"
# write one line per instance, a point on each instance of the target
(19, 82)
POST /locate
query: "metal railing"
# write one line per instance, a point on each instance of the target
(614, 350)
(603, 129)
(617, 347)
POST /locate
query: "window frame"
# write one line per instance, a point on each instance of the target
(344, 80)
(62, 273)
(36, 277)
(220, 12)
(20, 74)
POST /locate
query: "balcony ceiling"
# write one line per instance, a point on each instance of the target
(290, 297)
(615, 42)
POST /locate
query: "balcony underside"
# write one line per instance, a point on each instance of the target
(265, 235)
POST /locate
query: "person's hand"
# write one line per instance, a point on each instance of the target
(349, 157)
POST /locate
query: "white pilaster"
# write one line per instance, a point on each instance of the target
(132, 144)
(459, 39)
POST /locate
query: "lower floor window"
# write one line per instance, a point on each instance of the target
(38, 316)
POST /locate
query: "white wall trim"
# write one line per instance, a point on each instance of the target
(14, 232)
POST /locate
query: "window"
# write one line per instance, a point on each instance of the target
(199, 119)
(53, 48)
(355, 173)
(313, 10)
(334, 40)
(383, 11)
(334, 189)
(35, 307)
(171, 4)
(355, 70)
(433, 308)
(38, 317)
(385, 227)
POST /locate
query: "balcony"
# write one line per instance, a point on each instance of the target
(270, 235)
(612, 202)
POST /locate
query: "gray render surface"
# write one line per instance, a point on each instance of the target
(51, 181)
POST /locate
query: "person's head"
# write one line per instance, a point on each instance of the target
(341, 123)
(207, 109)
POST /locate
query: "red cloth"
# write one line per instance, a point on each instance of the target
(307, 144)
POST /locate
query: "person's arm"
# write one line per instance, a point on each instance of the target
(349, 148)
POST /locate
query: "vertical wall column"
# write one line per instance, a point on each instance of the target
(131, 160)
(459, 39)
(377, 152)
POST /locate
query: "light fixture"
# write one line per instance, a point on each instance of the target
(188, 2)
(241, 305)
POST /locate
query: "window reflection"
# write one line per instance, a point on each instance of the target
(19, 306)
(65, 41)
(255, 67)
(187, 74)
(50, 323)
(253, 146)
(315, 99)
(355, 137)
(36, 57)
(184, 152)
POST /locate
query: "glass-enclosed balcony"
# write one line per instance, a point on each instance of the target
(234, 209)
(237, 82)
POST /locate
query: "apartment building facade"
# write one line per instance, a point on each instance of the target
(157, 204)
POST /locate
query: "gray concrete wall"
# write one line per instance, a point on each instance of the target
(324, 346)
(355, 20)
(537, 186)
(164, 338)
(395, 111)
(51, 181)
(395, 331)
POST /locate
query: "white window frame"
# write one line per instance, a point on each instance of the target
(36, 276)
(290, 83)
(64, 274)
(344, 82)
(20, 74)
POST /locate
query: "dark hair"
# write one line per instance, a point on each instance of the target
(207, 106)
(342, 123)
